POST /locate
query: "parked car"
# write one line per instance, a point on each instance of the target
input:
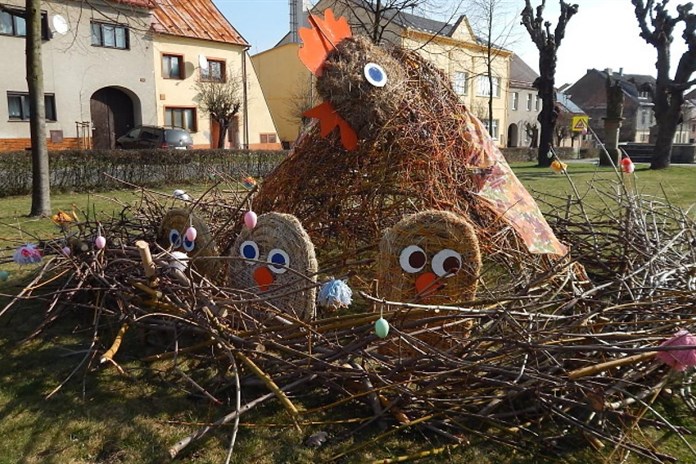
(156, 137)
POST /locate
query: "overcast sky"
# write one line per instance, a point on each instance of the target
(603, 34)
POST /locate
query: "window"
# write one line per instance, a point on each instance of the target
(172, 66)
(644, 94)
(18, 106)
(12, 22)
(110, 35)
(536, 102)
(529, 102)
(643, 117)
(515, 100)
(215, 72)
(459, 82)
(492, 130)
(268, 138)
(180, 117)
(484, 88)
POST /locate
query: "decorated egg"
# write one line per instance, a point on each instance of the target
(250, 219)
(191, 234)
(4, 275)
(381, 327)
(100, 242)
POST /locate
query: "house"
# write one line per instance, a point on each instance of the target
(98, 77)
(589, 93)
(451, 47)
(114, 64)
(191, 42)
(523, 105)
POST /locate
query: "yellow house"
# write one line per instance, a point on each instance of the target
(451, 47)
(194, 42)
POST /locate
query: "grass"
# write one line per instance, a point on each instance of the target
(102, 416)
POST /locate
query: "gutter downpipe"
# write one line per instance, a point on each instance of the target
(245, 143)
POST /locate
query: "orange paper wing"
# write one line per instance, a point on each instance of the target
(321, 38)
(329, 119)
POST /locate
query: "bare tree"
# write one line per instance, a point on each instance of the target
(375, 18)
(487, 18)
(669, 92)
(547, 43)
(221, 99)
(532, 131)
(41, 186)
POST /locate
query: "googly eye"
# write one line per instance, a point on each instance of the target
(175, 238)
(412, 259)
(187, 244)
(447, 263)
(375, 75)
(249, 250)
(278, 260)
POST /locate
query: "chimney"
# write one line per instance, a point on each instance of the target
(608, 71)
(620, 71)
(298, 17)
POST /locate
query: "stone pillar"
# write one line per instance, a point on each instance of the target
(611, 142)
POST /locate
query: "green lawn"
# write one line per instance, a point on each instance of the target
(103, 416)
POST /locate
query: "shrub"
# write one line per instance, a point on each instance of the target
(95, 170)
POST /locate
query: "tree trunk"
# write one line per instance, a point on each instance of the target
(223, 124)
(547, 120)
(663, 144)
(40, 188)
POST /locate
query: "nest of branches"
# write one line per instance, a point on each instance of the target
(553, 355)
(420, 149)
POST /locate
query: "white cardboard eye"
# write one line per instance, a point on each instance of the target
(443, 257)
(277, 268)
(249, 245)
(375, 74)
(405, 259)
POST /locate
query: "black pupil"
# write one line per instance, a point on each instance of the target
(417, 259)
(451, 265)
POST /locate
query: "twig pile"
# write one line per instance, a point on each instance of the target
(550, 355)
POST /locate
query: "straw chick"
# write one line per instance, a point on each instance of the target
(276, 260)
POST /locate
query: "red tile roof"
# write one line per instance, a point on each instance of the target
(197, 19)
(140, 3)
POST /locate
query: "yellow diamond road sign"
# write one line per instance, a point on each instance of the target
(580, 123)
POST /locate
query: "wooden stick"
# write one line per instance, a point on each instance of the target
(146, 258)
(268, 381)
(589, 370)
(183, 443)
(109, 355)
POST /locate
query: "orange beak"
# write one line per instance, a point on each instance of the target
(263, 278)
(427, 284)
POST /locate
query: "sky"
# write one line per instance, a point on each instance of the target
(603, 34)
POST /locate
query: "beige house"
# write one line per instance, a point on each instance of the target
(193, 41)
(97, 64)
(112, 65)
(452, 47)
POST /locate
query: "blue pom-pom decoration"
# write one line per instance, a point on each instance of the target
(335, 294)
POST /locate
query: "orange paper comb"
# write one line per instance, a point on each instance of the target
(321, 38)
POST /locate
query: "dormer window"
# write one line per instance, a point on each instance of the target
(644, 94)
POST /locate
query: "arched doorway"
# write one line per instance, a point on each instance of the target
(513, 136)
(112, 116)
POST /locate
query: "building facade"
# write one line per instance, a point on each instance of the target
(98, 72)
(453, 48)
(590, 94)
(112, 65)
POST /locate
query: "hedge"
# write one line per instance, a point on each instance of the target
(530, 154)
(84, 170)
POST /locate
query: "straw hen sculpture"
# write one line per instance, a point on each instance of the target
(391, 139)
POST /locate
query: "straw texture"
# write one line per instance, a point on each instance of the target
(293, 289)
(203, 256)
